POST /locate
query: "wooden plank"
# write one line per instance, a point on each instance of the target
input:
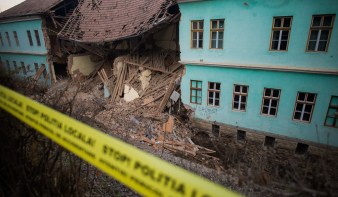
(164, 71)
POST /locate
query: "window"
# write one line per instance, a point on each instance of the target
(16, 38)
(44, 71)
(16, 67)
(30, 38)
(36, 67)
(241, 135)
(36, 33)
(240, 97)
(215, 129)
(216, 34)
(332, 114)
(197, 34)
(23, 68)
(196, 92)
(8, 66)
(8, 40)
(304, 106)
(269, 141)
(270, 102)
(280, 33)
(1, 41)
(214, 92)
(320, 33)
(302, 148)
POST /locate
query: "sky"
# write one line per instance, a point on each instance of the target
(6, 4)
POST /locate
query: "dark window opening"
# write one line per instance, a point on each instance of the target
(30, 38)
(215, 129)
(36, 66)
(44, 71)
(23, 68)
(241, 135)
(16, 38)
(37, 37)
(269, 141)
(60, 71)
(302, 148)
(1, 42)
(16, 67)
(8, 66)
(8, 40)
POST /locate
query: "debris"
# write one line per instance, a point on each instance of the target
(129, 93)
(169, 126)
(136, 121)
(175, 96)
(145, 78)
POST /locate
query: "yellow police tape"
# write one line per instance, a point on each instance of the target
(139, 170)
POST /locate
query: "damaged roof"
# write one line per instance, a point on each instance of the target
(108, 20)
(29, 7)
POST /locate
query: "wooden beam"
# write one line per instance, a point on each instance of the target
(145, 37)
(164, 71)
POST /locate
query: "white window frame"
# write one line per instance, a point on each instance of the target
(304, 103)
(280, 29)
(214, 94)
(240, 94)
(217, 30)
(198, 31)
(270, 98)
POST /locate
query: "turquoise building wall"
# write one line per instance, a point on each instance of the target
(247, 33)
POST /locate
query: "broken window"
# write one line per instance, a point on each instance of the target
(240, 97)
(8, 66)
(320, 33)
(36, 66)
(215, 130)
(216, 32)
(304, 106)
(16, 67)
(197, 34)
(214, 92)
(270, 102)
(196, 92)
(37, 37)
(23, 68)
(8, 40)
(1, 41)
(280, 34)
(29, 38)
(332, 113)
(16, 38)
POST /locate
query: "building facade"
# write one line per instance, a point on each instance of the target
(263, 69)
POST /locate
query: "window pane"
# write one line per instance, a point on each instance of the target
(278, 22)
(274, 103)
(211, 101)
(211, 86)
(236, 98)
(221, 24)
(199, 93)
(194, 35)
(310, 97)
(193, 99)
(301, 97)
(283, 45)
(265, 110)
(218, 86)
(327, 21)
(243, 99)
(214, 35)
(220, 44)
(200, 25)
(211, 94)
(217, 95)
(334, 100)
(194, 25)
(299, 107)
(312, 45)
(316, 21)
(287, 22)
(238, 89)
(199, 84)
(200, 35)
(276, 93)
(213, 44)
(275, 35)
(235, 105)
(329, 121)
(266, 102)
(274, 45)
(214, 25)
(220, 35)
(322, 46)
(306, 117)
(297, 116)
(200, 44)
(272, 112)
(193, 84)
(332, 112)
(216, 102)
(194, 44)
(314, 34)
(193, 92)
(242, 106)
(199, 100)
(244, 89)
(285, 35)
(324, 35)
(308, 108)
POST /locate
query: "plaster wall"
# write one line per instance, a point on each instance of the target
(247, 32)
(83, 64)
(289, 83)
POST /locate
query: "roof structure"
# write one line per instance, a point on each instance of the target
(29, 7)
(108, 20)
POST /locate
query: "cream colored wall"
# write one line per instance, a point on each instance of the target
(84, 64)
